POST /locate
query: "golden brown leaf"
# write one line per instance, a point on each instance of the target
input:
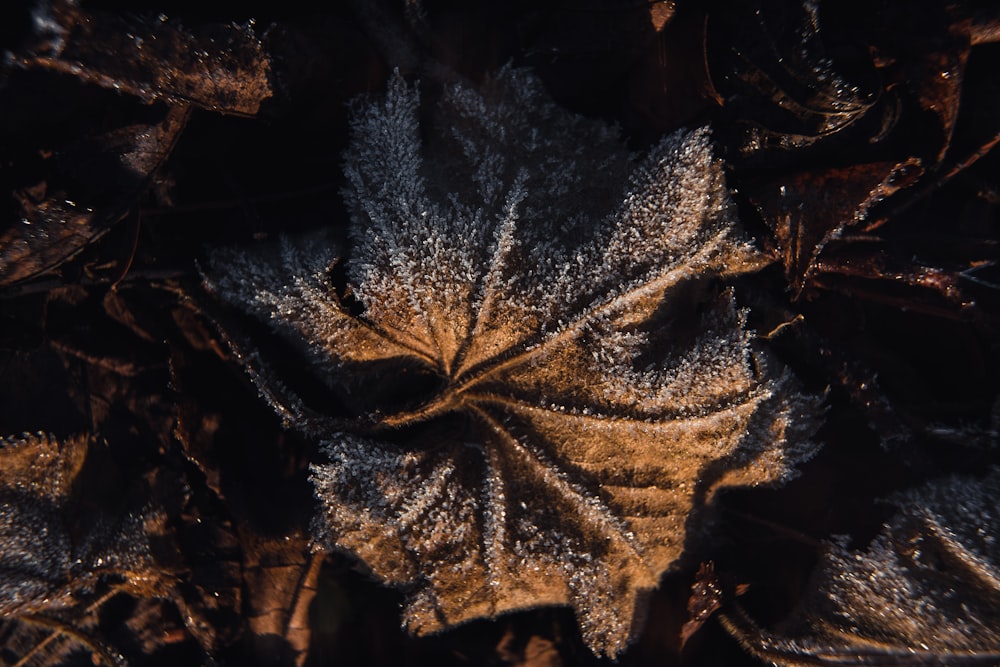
(543, 385)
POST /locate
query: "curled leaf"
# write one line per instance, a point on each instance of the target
(807, 212)
(771, 64)
(925, 591)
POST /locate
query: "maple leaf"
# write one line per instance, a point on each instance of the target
(543, 384)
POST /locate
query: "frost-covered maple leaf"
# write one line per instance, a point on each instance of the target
(541, 379)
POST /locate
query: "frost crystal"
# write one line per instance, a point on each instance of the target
(543, 381)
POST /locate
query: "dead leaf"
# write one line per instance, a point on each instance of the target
(217, 66)
(925, 54)
(709, 593)
(546, 433)
(925, 591)
(771, 65)
(108, 174)
(280, 576)
(59, 565)
(808, 210)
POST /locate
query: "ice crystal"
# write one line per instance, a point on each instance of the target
(543, 378)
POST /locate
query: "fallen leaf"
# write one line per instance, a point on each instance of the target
(221, 67)
(108, 174)
(770, 64)
(280, 577)
(925, 591)
(537, 387)
(709, 593)
(806, 211)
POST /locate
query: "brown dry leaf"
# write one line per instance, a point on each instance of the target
(708, 593)
(926, 591)
(110, 172)
(36, 474)
(808, 210)
(770, 63)
(280, 577)
(925, 54)
(889, 91)
(277, 572)
(67, 552)
(536, 652)
(56, 559)
(218, 67)
(532, 412)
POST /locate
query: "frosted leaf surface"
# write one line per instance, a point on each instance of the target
(925, 591)
(580, 387)
(44, 558)
(35, 475)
